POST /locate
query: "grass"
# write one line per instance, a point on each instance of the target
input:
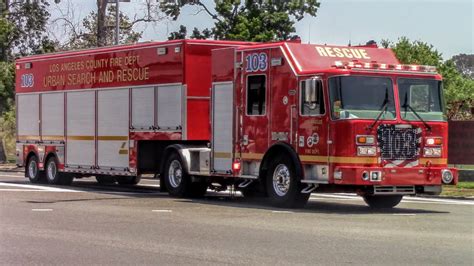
(462, 189)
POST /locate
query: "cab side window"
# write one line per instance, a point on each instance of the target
(311, 99)
(256, 95)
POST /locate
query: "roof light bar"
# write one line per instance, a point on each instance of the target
(381, 66)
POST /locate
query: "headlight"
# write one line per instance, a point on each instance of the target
(367, 151)
(432, 152)
(447, 176)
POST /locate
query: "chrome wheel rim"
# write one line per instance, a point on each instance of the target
(32, 169)
(281, 180)
(175, 174)
(51, 170)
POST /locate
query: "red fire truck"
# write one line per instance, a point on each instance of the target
(280, 119)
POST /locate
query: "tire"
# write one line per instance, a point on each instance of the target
(254, 190)
(283, 187)
(382, 202)
(178, 182)
(128, 180)
(53, 176)
(105, 179)
(32, 170)
(197, 190)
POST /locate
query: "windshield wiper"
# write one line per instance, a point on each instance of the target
(406, 105)
(384, 109)
(417, 115)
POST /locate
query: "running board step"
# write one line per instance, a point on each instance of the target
(246, 183)
(310, 188)
(394, 190)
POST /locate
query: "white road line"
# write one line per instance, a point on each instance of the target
(322, 198)
(19, 190)
(334, 196)
(43, 188)
(168, 211)
(282, 212)
(467, 202)
(21, 175)
(42, 210)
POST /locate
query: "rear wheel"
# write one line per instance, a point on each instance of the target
(178, 182)
(105, 180)
(382, 202)
(283, 188)
(53, 176)
(32, 170)
(128, 180)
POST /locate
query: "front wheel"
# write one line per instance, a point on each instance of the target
(382, 202)
(283, 187)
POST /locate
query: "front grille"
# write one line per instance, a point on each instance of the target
(398, 142)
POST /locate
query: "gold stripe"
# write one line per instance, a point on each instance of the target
(113, 137)
(338, 159)
(252, 156)
(52, 137)
(434, 160)
(312, 158)
(123, 151)
(321, 159)
(223, 155)
(353, 160)
(28, 137)
(80, 137)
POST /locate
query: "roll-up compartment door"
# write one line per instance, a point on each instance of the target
(222, 126)
(52, 116)
(28, 116)
(113, 129)
(80, 122)
(169, 116)
(143, 108)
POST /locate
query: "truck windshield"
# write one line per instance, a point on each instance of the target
(359, 97)
(422, 95)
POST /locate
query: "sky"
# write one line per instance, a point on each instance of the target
(446, 24)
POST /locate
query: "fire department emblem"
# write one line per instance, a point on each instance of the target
(312, 140)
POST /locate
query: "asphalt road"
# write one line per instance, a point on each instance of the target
(91, 224)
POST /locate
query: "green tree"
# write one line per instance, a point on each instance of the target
(7, 107)
(261, 20)
(458, 89)
(464, 64)
(87, 37)
(27, 28)
(180, 34)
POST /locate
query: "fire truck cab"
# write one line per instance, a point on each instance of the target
(280, 120)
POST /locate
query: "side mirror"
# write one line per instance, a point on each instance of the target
(312, 86)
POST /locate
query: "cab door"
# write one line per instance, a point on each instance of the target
(255, 84)
(313, 129)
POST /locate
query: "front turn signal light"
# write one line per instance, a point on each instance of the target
(365, 140)
(434, 141)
